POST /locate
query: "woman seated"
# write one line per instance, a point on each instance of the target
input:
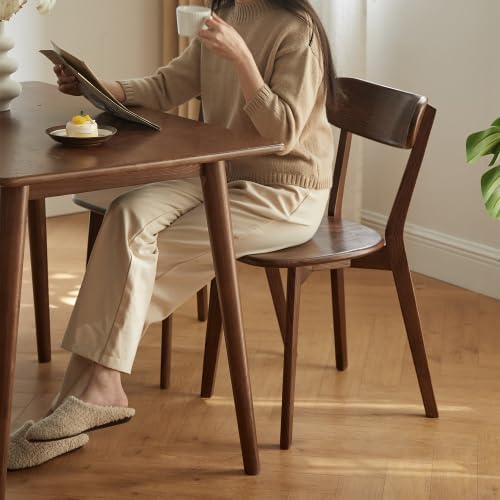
(262, 65)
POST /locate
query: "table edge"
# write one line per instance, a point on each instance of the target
(12, 182)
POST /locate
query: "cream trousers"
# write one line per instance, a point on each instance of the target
(153, 253)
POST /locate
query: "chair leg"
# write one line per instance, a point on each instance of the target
(95, 222)
(202, 302)
(39, 271)
(212, 343)
(339, 326)
(294, 282)
(166, 352)
(278, 295)
(407, 301)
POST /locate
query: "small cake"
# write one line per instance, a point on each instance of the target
(82, 126)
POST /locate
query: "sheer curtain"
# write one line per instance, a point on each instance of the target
(173, 45)
(345, 22)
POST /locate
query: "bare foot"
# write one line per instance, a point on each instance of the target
(105, 388)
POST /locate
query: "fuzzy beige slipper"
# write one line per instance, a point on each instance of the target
(24, 454)
(75, 416)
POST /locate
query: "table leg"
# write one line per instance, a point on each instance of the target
(37, 225)
(13, 214)
(214, 183)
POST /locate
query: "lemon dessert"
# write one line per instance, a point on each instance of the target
(82, 126)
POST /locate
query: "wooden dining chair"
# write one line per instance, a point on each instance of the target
(390, 117)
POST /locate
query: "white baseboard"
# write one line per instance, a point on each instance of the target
(61, 205)
(457, 261)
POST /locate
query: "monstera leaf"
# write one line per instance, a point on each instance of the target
(484, 143)
(490, 186)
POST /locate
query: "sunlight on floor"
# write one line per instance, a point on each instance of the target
(394, 467)
(69, 301)
(301, 403)
(62, 276)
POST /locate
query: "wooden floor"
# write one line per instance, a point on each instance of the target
(360, 434)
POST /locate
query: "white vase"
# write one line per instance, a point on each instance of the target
(9, 89)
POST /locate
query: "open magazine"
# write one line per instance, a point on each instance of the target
(92, 88)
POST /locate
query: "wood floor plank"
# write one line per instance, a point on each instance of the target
(366, 487)
(409, 476)
(488, 467)
(454, 468)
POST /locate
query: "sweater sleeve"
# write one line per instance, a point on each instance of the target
(281, 109)
(171, 86)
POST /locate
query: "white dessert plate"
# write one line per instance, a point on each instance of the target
(59, 134)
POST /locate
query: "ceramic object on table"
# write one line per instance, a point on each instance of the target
(9, 89)
(59, 134)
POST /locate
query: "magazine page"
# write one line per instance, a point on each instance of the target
(83, 69)
(96, 94)
(101, 101)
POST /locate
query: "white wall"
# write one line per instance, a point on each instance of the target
(345, 22)
(117, 38)
(446, 50)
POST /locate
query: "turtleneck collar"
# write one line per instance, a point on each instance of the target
(249, 10)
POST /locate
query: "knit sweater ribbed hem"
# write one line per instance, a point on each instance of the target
(275, 178)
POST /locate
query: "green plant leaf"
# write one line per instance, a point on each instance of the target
(496, 154)
(490, 187)
(496, 123)
(482, 143)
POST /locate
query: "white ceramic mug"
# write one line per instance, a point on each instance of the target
(191, 19)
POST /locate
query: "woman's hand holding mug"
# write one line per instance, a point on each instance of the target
(224, 40)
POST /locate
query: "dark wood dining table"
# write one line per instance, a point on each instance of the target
(33, 167)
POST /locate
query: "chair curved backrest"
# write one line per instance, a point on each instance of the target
(386, 115)
(380, 113)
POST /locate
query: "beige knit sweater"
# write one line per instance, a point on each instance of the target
(289, 108)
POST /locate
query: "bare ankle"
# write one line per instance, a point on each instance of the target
(105, 388)
(105, 375)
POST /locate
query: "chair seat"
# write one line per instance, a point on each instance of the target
(99, 201)
(336, 240)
